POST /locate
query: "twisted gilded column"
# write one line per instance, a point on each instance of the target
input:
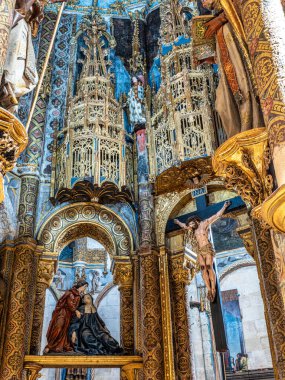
(123, 277)
(21, 302)
(180, 277)
(46, 268)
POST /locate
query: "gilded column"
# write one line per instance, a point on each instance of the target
(46, 268)
(270, 263)
(19, 321)
(180, 279)
(151, 315)
(123, 277)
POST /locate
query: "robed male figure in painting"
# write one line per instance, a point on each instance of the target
(196, 233)
(67, 306)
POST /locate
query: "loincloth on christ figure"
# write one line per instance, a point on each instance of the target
(207, 250)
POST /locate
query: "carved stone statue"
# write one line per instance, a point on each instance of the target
(235, 99)
(67, 307)
(197, 232)
(136, 101)
(96, 283)
(20, 74)
(89, 332)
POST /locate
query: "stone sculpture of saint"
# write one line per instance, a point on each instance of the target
(136, 101)
(196, 232)
(89, 333)
(235, 99)
(20, 73)
(58, 340)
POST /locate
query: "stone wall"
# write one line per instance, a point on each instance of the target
(245, 280)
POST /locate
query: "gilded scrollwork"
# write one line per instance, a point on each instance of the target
(86, 219)
(243, 162)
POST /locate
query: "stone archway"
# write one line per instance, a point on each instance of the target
(72, 222)
(84, 219)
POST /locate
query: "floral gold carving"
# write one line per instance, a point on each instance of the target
(152, 345)
(242, 161)
(19, 323)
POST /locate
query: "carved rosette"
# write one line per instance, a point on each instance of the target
(180, 277)
(123, 277)
(19, 323)
(151, 316)
(243, 162)
(13, 140)
(46, 269)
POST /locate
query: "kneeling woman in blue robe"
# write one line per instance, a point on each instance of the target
(93, 338)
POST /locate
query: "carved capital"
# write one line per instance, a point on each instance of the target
(46, 269)
(243, 162)
(245, 232)
(182, 269)
(123, 272)
(13, 140)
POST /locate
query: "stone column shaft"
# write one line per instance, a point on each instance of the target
(123, 277)
(180, 279)
(21, 302)
(46, 269)
(28, 204)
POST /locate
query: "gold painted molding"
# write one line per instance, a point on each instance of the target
(243, 161)
(72, 361)
(13, 140)
(273, 209)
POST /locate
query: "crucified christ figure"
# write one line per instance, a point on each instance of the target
(205, 255)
